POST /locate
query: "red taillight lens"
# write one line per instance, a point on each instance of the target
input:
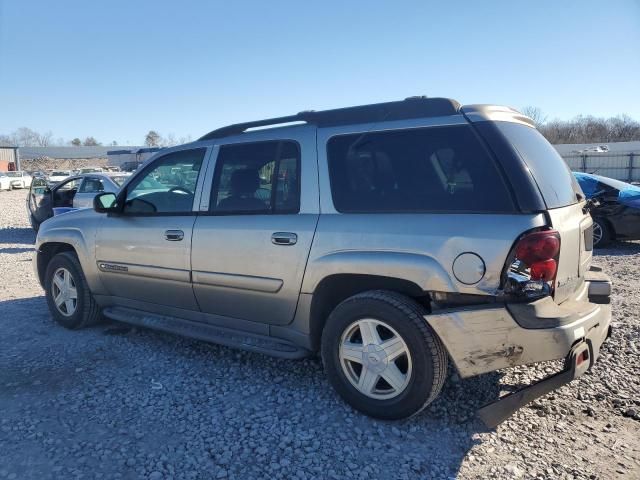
(538, 247)
(533, 265)
(544, 270)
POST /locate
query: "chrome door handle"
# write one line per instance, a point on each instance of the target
(284, 238)
(174, 235)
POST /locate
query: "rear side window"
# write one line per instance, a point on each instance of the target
(551, 173)
(257, 178)
(438, 169)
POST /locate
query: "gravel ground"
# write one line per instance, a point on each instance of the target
(118, 402)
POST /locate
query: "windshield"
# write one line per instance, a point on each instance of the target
(90, 170)
(60, 174)
(612, 182)
(554, 179)
(13, 174)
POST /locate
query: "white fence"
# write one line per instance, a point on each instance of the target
(622, 166)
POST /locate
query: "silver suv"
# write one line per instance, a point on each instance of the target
(391, 238)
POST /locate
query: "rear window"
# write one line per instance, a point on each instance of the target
(551, 173)
(438, 169)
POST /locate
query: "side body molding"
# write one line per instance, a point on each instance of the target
(422, 270)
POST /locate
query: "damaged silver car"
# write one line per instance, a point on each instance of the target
(388, 238)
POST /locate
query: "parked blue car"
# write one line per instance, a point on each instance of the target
(616, 215)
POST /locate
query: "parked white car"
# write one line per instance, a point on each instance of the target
(19, 179)
(5, 182)
(90, 170)
(57, 176)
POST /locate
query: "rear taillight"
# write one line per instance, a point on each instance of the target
(533, 264)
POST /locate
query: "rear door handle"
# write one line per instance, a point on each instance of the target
(174, 235)
(284, 238)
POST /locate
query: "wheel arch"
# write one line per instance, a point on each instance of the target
(46, 252)
(335, 288)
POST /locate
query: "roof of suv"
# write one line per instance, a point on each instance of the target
(412, 107)
(409, 108)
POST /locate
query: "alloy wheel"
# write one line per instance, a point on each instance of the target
(375, 359)
(597, 233)
(64, 292)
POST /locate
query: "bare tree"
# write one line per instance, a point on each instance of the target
(169, 141)
(43, 139)
(25, 137)
(90, 142)
(535, 114)
(589, 129)
(5, 141)
(153, 139)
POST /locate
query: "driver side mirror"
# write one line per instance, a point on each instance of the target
(104, 202)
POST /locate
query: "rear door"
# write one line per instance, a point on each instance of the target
(252, 237)
(564, 200)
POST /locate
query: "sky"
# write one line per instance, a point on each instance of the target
(116, 69)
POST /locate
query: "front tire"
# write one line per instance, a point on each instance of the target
(381, 356)
(68, 296)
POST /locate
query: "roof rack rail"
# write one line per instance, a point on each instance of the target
(411, 107)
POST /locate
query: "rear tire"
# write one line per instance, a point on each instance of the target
(68, 296)
(601, 233)
(381, 356)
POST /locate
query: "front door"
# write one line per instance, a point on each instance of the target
(250, 248)
(144, 253)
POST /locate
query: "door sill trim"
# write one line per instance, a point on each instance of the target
(209, 333)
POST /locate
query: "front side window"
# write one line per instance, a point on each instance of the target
(168, 185)
(437, 169)
(259, 178)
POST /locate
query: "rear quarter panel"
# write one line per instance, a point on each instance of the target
(416, 247)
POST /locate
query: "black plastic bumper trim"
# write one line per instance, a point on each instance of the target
(497, 412)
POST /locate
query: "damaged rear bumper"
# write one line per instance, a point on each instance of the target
(483, 339)
(580, 359)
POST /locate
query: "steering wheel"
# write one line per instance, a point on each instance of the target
(180, 189)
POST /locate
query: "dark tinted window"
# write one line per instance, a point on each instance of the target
(419, 170)
(551, 173)
(260, 178)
